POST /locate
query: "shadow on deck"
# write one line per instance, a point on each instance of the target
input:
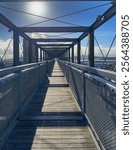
(52, 120)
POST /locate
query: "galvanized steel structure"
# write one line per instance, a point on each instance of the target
(85, 81)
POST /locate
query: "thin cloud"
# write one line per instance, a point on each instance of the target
(3, 47)
(4, 43)
(84, 51)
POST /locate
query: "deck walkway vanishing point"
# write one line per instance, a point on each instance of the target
(52, 120)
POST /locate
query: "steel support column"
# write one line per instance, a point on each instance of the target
(40, 54)
(72, 54)
(15, 48)
(78, 53)
(69, 55)
(43, 55)
(36, 54)
(91, 49)
(30, 51)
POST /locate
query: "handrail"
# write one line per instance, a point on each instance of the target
(109, 75)
(95, 92)
(6, 71)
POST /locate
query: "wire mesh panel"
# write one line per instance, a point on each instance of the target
(8, 100)
(42, 71)
(96, 95)
(29, 82)
(100, 109)
(75, 80)
(50, 65)
(16, 88)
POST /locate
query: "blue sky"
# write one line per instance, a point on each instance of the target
(104, 34)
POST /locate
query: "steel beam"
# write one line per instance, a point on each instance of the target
(15, 48)
(49, 0)
(54, 48)
(30, 52)
(69, 55)
(49, 45)
(78, 53)
(43, 55)
(57, 53)
(36, 53)
(6, 22)
(105, 17)
(11, 26)
(54, 29)
(55, 40)
(91, 49)
(40, 54)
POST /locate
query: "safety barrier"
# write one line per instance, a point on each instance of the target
(16, 86)
(95, 91)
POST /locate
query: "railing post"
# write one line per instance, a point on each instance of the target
(19, 93)
(83, 92)
(39, 74)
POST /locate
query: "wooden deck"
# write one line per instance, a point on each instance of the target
(52, 120)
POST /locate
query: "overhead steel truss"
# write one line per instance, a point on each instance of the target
(49, 0)
(54, 29)
(55, 40)
(65, 45)
(101, 19)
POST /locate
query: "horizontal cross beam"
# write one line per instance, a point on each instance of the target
(49, 0)
(60, 45)
(56, 40)
(54, 29)
(54, 49)
(6, 22)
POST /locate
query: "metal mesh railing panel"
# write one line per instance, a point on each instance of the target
(101, 112)
(29, 82)
(99, 98)
(8, 103)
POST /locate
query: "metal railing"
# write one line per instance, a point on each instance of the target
(95, 92)
(17, 84)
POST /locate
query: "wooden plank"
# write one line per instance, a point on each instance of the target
(52, 121)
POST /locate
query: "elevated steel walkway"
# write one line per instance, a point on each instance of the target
(57, 105)
(52, 120)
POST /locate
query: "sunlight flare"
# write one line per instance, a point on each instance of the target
(37, 8)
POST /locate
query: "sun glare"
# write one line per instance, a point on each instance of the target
(37, 8)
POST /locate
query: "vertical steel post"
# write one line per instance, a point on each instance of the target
(91, 48)
(30, 51)
(69, 55)
(19, 94)
(15, 48)
(36, 53)
(43, 55)
(72, 54)
(78, 53)
(40, 54)
(83, 91)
